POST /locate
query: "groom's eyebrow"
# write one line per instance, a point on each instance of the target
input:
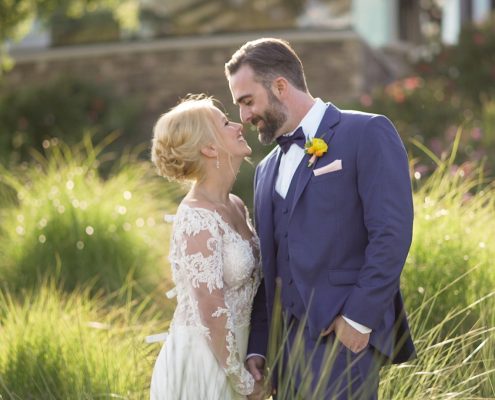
(241, 99)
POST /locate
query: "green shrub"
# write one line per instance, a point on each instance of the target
(455, 87)
(73, 346)
(66, 222)
(419, 108)
(65, 108)
(469, 65)
(92, 27)
(430, 112)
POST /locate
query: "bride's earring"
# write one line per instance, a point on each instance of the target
(218, 163)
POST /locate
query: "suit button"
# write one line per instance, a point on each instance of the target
(286, 211)
(291, 305)
(290, 281)
(286, 234)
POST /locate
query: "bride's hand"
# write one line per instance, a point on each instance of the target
(260, 392)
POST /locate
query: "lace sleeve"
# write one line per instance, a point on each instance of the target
(203, 264)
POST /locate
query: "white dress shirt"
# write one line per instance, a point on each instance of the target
(290, 161)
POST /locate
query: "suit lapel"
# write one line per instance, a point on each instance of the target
(325, 131)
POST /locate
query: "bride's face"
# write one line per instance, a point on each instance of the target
(231, 136)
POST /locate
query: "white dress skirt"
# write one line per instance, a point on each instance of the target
(186, 368)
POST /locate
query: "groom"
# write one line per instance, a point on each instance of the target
(335, 233)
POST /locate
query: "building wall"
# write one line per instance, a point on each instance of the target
(339, 67)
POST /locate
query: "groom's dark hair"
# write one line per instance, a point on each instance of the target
(269, 58)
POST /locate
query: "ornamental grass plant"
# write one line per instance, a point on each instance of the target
(61, 219)
(452, 363)
(86, 345)
(58, 345)
(451, 260)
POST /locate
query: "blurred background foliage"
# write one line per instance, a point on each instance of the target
(17, 16)
(33, 117)
(454, 87)
(177, 17)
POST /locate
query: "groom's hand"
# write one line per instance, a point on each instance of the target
(347, 335)
(256, 367)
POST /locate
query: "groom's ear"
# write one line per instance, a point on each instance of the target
(280, 86)
(209, 151)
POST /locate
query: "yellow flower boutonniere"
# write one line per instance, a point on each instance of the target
(316, 147)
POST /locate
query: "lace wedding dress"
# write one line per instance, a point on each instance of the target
(217, 273)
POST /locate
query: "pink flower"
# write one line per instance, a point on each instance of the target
(396, 92)
(366, 100)
(476, 134)
(436, 146)
(412, 83)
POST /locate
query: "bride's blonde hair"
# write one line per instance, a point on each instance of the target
(179, 135)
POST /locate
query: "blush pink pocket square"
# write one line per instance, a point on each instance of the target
(332, 167)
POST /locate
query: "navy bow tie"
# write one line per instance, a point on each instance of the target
(296, 138)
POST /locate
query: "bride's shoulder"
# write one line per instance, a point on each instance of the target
(197, 212)
(195, 206)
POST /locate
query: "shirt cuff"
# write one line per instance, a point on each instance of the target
(357, 326)
(255, 354)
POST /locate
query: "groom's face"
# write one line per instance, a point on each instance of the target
(257, 104)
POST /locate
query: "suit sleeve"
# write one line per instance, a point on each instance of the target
(384, 188)
(258, 335)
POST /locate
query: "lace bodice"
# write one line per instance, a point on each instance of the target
(217, 273)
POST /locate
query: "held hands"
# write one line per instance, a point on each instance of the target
(256, 367)
(347, 335)
(259, 392)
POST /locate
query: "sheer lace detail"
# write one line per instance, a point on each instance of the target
(216, 273)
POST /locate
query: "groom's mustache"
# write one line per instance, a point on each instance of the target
(255, 120)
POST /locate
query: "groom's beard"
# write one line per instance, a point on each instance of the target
(273, 119)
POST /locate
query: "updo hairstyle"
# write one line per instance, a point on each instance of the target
(179, 135)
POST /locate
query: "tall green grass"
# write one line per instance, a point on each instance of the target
(454, 235)
(452, 363)
(61, 219)
(56, 345)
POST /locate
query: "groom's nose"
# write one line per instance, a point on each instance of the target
(245, 115)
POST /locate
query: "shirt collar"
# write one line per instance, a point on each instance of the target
(312, 119)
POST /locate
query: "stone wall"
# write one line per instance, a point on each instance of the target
(339, 67)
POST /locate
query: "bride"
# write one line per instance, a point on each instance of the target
(214, 255)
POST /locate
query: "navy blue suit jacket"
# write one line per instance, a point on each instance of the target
(349, 233)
